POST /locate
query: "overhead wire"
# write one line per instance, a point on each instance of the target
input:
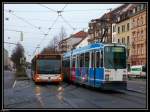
(55, 10)
(24, 20)
(67, 22)
(51, 25)
(55, 19)
(47, 7)
(64, 7)
(20, 31)
(47, 33)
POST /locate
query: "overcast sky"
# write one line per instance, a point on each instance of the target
(29, 17)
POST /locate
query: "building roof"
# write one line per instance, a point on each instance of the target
(80, 34)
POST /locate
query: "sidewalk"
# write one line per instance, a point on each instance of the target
(137, 85)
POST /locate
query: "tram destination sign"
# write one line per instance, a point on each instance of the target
(118, 49)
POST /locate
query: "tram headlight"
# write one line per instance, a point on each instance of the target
(124, 77)
(106, 77)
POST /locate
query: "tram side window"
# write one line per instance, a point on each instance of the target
(92, 59)
(81, 60)
(66, 63)
(101, 58)
(97, 59)
(87, 59)
(73, 62)
(77, 61)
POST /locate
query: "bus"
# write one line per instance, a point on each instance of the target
(47, 68)
(98, 65)
(138, 71)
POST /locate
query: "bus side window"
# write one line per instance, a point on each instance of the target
(97, 59)
(101, 58)
(92, 59)
(87, 59)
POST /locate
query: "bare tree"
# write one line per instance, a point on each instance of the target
(53, 44)
(62, 33)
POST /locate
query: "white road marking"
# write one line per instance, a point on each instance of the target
(14, 84)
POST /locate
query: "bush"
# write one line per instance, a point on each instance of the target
(21, 72)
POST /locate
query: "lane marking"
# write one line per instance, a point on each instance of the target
(14, 84)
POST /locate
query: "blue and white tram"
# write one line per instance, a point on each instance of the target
(97, 65)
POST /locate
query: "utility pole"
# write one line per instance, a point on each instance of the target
(107, 26)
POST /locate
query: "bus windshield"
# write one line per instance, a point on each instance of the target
(114, 57)
(47, 66)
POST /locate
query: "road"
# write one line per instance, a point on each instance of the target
(9, 79)
(26, 94)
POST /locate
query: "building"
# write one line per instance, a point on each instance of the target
(115, 14)
(139, 34)
(123, 30)
(72, 41)
(100, 29)
(5, 59)
(83, 42)
(129, 28)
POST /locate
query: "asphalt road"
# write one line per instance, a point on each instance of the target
(26, 94)
(9, 78)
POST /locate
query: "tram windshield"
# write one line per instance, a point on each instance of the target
(47, 66)
(114, 57)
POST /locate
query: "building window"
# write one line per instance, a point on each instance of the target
(118, 41)
(142, 6)
(118, 29)
(142, 34)
(128, 27)
(138, 23)
(133, 10)
(114, 28)
(133, 23)
(138, 36)
(142, 49)
(128, 40)
(138, 7)
(142, 21)
(123, 28)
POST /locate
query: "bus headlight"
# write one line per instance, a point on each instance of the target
(37, 77)
(59, 77)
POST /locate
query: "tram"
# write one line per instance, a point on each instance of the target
(98, 65)
(47, 68)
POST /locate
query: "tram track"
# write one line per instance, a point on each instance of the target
(130, 95)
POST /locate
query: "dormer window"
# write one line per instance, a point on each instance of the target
(118, 19)
(138, 7)
(142, 6)
(134, 10)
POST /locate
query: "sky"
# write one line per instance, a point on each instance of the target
(34, 21)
